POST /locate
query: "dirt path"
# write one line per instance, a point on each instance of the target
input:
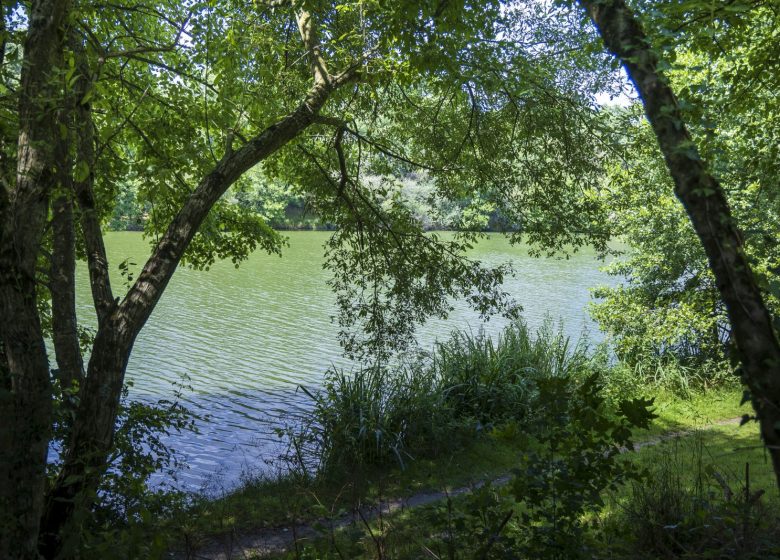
(278, 539)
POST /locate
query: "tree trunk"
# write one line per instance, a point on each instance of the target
(119, 323)
(705, 202)
(84, 137)
(25, 388)
(90, 440)
(62, 280)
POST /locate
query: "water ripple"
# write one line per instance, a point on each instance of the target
(239, 342)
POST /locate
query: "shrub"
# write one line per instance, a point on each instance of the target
(126, 520)
(140, 452)
(576, 454)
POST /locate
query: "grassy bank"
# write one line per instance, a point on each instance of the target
(444, 420)
(693, 506)
(277, 500)
(378, 435)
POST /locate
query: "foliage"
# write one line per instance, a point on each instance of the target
(669, 308)
(128, 214)
(282, 206)
(490, 382)
(172, 114)
(577, 456)
(372, 416)
(141, 453)
(390, 276)
(692, 505)
(477, 94)
(139, 490)
(469, 385)
(286, 206)
(572, 447)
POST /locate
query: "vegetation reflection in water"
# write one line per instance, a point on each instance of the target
(243, 340)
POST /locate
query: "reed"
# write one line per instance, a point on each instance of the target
(467, 385)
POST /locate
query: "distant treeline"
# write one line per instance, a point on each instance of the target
(283, 208)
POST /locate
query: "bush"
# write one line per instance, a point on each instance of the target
(576, 454)
(573, 456)
(130, 509)
(140, 452)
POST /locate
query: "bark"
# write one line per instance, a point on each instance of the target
(705, 202)
(25, 391)
(6, 140)
(2, 34)
(62, 273)
(100, 284)
(62, 276)
(93, 430)
(56, 515)
(62, 284)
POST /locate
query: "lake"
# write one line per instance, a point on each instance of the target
(241, 341)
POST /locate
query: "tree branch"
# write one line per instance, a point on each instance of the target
(97, 261)
(143, 296)
(310, 37)
(62, 280)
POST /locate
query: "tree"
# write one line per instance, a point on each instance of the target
(44, 172)
(669, 308)
(704, 200)
(26, 392)
(183, 99)
(111, 90)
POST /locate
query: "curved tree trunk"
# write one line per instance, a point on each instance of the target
(705, 202)
(119, 324)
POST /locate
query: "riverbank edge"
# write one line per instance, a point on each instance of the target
(279, 542)
(281, 502)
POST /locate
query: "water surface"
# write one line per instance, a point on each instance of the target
(245, 339)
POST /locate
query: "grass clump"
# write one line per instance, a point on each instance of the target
(469, 385)
(370, 417)
(492, 382)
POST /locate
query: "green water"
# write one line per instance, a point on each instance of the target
(246, 338)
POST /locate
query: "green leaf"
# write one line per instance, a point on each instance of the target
(637, 412)
(81, 171)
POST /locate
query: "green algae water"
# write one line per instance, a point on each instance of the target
(240, 341)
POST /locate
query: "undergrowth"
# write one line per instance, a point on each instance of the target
(555, 413)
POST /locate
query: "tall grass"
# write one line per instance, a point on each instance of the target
(695, 505)
(368, 417)
(491, 382)
(378, 415)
